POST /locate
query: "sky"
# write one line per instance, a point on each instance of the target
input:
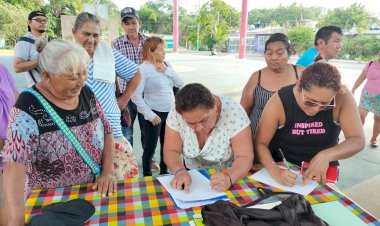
(372, 6)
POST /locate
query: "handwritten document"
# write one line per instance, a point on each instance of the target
(263, 176)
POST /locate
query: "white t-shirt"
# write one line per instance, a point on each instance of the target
(233, 119)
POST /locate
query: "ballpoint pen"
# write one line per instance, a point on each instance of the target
(284, 159)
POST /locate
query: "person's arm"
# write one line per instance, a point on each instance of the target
(129, 71)
(105, 183)
(349, 119)
(270, 119)
(20, 65)
(138, 99)
(247, 96)
(14, 192)
(172, 157)
(171, 73)
(242, 148)
(360, 80)
(129, 90)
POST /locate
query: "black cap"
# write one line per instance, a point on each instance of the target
(34, 14)
(128, 12)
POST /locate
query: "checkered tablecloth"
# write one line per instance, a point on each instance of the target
(144, 201)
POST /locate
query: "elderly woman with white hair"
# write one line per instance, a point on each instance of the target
(38, 151)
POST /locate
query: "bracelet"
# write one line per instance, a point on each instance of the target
(176, 172)
(229, 178)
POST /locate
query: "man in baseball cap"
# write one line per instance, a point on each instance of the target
(25, 53)
(130, 45)
(36, 15)
(128, 12)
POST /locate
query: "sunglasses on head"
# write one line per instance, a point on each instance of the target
(311, 103)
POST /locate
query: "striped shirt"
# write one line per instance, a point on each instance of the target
(105, 92)
(260, 99)
(125, 47)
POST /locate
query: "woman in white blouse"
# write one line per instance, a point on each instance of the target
(209, 132)
(154, 98)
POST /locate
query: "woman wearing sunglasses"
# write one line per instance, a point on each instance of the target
(305, 120)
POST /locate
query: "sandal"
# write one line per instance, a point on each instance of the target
(373, 144)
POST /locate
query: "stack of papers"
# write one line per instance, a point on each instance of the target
(263, 176)
(200, 193)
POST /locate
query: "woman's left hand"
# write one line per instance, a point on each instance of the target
(317, 169)
(220, 182)
(105, 184)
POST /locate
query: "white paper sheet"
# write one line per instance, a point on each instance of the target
(200, 188)
(263, 176)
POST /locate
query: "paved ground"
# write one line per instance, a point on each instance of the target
(226, 75)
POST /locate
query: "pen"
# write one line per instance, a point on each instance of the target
(219, 167)
(284, 159)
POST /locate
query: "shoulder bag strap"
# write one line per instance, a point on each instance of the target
(67, 132)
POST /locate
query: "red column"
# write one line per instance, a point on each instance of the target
(175, 26)
(243, 28)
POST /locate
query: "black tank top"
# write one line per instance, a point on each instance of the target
(303, 136)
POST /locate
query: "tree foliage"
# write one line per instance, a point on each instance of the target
(157, 16)
(283, 15)
(348, 18)
(217, 20)
(301, 38)
(360, 47)
(13, 22)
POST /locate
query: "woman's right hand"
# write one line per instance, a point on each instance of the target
(182, 181)
(285, 177)
(156, 121)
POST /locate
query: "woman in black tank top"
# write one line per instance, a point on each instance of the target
(307, 119)
(278, 73)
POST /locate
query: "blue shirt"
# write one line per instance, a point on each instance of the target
(105, 92)
(308, 57)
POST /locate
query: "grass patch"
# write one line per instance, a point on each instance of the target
(6, 51)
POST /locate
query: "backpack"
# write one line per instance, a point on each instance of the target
(294, 210)
(26, 39)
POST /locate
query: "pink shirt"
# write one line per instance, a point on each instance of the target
(373, 78)
(7, 98)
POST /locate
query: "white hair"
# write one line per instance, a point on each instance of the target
(59, 57)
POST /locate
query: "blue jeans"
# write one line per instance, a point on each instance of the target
(128, 131)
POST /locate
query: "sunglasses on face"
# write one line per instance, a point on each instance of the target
(311, 103)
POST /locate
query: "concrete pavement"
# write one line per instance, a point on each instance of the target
(227, 75)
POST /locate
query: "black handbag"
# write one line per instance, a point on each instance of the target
(294, 210)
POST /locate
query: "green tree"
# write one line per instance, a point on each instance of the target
(282, 15)
(361, 47)
(301, 38)
(13, 22)
(217, 20)
(29, 5)
(347, 18)
(157, 16)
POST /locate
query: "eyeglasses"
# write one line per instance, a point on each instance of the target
(311, 103)
(40, 20)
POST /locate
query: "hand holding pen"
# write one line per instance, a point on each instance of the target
(219, 181)
(285, 176)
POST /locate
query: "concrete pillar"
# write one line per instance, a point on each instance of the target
(175, 27)
(243, 28)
